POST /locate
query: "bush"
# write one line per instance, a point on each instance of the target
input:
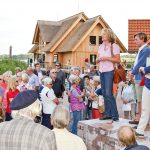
(10, 64)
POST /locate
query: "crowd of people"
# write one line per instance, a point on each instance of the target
(64, 101)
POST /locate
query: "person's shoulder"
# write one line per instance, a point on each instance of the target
(145, 51)
(115, 45)
(142, 147)
(76, 138)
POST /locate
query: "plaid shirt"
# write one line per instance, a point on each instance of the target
(23, 134)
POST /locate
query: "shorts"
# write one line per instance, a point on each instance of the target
(138, 91)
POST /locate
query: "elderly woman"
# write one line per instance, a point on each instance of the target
(76, 102)
(24, 85)
(11, 93)
(49, 102)
(108, 54)
(64, 139)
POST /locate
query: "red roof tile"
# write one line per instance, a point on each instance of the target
(135, 26)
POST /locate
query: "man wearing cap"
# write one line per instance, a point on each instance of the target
(22, 133)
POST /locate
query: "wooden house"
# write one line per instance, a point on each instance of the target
(69, 41)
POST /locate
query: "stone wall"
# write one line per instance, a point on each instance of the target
(102, 135)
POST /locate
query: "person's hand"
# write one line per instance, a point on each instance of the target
(131, 76)
(56, 101)
(141, 69)
(104, 58)
(125, 102)
(97, 60)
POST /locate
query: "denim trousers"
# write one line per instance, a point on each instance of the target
(109, 100)
(46, 120)
(76, 119)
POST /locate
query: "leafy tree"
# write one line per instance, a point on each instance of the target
(11, 64)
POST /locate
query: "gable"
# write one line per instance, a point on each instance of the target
(74, 40)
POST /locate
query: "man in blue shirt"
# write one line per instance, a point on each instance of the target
(140, 61)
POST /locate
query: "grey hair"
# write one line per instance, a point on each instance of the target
(60, 117)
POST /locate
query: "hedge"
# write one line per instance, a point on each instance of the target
(11, 64)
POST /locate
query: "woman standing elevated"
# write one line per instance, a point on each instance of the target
(108, 54)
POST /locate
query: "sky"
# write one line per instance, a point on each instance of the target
(18, 18)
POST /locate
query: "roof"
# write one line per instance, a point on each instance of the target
(51, 31)
(79, 33)
(63, 34)
(135, 26)
(48, 29)
(65, 25)
(74, 37)
(33, 49)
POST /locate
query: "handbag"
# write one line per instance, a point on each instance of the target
(119, 71)
(101, 106)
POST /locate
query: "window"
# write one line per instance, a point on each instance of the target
(100, 40)
(55, 58)
(93, 40)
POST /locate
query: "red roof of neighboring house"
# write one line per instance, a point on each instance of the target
(135, 26)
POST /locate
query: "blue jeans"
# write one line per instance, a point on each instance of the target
(109, 100)
(76, 119)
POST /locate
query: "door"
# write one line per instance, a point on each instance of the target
(93, 59)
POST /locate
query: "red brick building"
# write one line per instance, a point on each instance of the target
(135, 26)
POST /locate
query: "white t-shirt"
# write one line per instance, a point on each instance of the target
(47, 97)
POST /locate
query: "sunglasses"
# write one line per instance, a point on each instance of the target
(53, 72)
(1, 79)
(17, 81)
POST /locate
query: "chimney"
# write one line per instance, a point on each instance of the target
(10, 52)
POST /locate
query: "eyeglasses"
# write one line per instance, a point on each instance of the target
(53, 72)
(50, 84)
(1, 79)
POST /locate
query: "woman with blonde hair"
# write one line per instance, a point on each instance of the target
(6, 77)
(11, 93)
(108, 54)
